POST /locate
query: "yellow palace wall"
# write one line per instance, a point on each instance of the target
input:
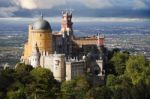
(43, 38)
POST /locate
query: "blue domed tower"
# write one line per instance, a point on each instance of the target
(40, 32)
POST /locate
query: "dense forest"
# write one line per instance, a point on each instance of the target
(127, 77)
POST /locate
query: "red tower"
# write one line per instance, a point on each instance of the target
(66, 20)
(100, 40)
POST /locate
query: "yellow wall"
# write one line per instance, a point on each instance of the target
(25, 51)
(43, 38)
(80, 42)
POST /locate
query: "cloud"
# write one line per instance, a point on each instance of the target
(146, 2)
(110, 8)
(102, 4)
(94, 4)
(97, 3)
(7, 11)
(117, 4)
(38, 4)
(29, 4)
(139, 4)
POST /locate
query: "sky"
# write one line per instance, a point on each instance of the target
(81, 8)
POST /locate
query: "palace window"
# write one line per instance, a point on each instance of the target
(40, 35)
(57, 62)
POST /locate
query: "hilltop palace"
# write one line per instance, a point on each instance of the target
(64, 54)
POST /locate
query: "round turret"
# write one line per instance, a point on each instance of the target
(41, 33)
(35, 56)
(41, 24)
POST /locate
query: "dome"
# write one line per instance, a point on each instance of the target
(41, 25)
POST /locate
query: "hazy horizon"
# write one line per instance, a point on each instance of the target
(77, 19)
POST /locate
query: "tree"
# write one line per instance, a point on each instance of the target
(99, 93)
(111, 80)
(67, 89)
(137, 69)
(120, 86)
(22, 68)
(82, 86)
(1, 95)
(7, 77)
(76, 88)
(119, 62)
(16, 95)
(23, 73)
(44, 84)
(16, 91)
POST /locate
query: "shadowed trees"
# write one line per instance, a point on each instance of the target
(26, 82)
(129, 79)
(75, 89)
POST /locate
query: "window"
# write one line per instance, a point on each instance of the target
(56, 67)
(57, 62)
(40, 35)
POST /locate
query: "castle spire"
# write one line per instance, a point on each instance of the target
(66, 23)
(35, 48)
(35, 56)
(100, 40)
(41, 15)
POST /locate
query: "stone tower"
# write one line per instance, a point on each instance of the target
(59, 67)
(67, 32)
(35, 57)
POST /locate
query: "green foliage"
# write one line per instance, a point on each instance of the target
(44, 85)
(1, 95)
(111, 79)
(99, 93)
(67, 89)
(111, 53)
(42, 74)
(7, 77)
(129, 80)
(119, 62)
(138, 69)
(23, 73)
(120, 86)
(25, 82)
(18, 94)
(76, 88)
(21, 68)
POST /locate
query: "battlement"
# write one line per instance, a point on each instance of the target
(100, 40)
(75, 59)
(67, 13)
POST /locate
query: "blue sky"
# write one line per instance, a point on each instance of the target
(88, 8)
